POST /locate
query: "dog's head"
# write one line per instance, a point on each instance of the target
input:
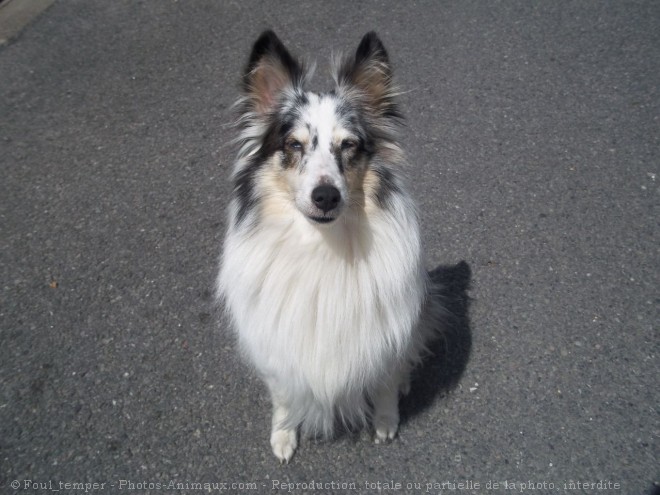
(318, 151)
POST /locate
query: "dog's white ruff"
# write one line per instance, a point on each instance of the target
(328, 314)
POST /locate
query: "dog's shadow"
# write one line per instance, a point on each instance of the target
(442, 369)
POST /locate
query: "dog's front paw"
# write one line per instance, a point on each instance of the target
(284, 444)
(386, 428)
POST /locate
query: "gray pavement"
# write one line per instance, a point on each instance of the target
(534, 134)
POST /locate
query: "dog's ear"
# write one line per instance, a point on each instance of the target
(369, 71)
(270, 70)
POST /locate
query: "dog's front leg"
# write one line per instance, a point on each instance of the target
(283, 440)
(386, 406)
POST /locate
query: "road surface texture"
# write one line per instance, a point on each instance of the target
(534, 136)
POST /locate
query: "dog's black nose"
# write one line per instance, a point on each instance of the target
(326, 197)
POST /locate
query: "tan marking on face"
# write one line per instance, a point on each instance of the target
(339, 134)
(371, 184)
(276, 193)
(301, 135)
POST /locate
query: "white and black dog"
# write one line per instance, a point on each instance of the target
(322, 271)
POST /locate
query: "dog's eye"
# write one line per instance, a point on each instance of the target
(348, 145)
(294, 145)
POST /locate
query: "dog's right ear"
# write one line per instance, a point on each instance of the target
(270, 71)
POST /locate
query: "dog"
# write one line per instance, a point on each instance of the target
(321, 271)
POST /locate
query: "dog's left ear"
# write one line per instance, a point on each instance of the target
(369, 71)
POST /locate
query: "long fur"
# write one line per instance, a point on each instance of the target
(329, 313)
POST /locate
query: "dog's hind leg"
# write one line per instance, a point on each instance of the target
(283, 440)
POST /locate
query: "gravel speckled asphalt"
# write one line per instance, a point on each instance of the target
(534, 134)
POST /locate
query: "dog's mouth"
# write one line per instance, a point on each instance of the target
(322, 219)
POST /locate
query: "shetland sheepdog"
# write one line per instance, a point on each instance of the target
(321, 272)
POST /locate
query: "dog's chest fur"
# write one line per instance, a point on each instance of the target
(327, 307)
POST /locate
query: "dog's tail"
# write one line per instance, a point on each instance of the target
(445, 321)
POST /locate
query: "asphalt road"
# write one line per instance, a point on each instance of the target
(534, 133)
